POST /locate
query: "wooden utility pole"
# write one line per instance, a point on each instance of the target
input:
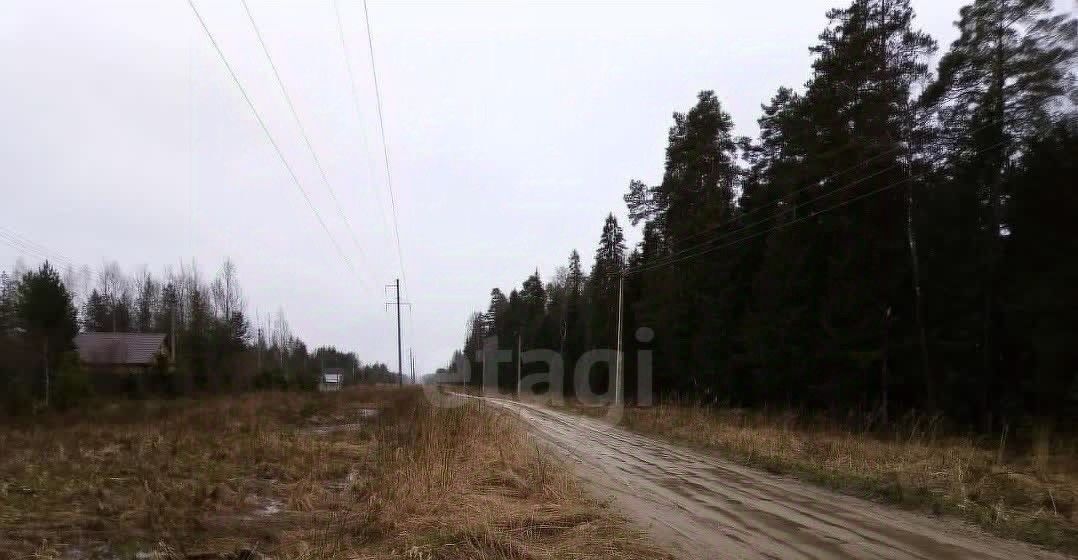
(519, 359)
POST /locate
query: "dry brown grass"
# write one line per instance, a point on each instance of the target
(1029, 493)
(294, 476)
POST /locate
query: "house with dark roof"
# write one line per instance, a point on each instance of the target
(122, 352)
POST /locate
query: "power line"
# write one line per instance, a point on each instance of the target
(303, 131)
(385, 145)
(770, 217)
(265, 130)
(359, 117)
(898, 146)
(385, 155)
(801, 204)
(22, 248)
(804, 188)
(706, 250)
(26, 246)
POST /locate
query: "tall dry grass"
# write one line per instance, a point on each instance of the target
(1028, 492)
(288, 475)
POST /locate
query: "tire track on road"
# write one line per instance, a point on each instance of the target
(704, 507)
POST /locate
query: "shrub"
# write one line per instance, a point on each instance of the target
(70, 384)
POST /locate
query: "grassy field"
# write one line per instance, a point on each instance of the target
(366, 473)
(1027, 492)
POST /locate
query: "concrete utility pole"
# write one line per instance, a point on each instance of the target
(400, 362)
(45, 356)
(618, 396)
(259, 346)
(400, 354)
(173, 350)
(411, 362)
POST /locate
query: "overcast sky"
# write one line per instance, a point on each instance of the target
(512, 130)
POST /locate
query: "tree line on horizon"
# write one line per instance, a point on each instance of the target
(896, 239)
(217, 349)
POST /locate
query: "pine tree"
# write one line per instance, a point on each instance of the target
(696, 196)
(885, 247)
(853, 284)
(1038, 276)
(999, 86)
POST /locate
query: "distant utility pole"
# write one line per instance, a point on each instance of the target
(45, 356)
(618, 396)
(400, 355)
(519, 346)
(259, 344)
(411, 360)
(172, 351)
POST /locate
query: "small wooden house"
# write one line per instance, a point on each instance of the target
(332, 379)
(122, 352)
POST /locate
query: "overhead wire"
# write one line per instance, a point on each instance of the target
(898, 146)
(359, 118)
(385, 155)
(706, 250)
(810, 185)
(24, 249)
(269, 136)
(303, 133)
(29, 247)
(385, 145)
(821, 196)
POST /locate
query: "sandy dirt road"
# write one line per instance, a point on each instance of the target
(700, 506)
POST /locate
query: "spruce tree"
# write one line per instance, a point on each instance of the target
(45, 310)
(96, 316)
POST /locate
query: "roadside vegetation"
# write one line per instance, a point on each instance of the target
(898, 237)
(1025, 490)
(371, 472)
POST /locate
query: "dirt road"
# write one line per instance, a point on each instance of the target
(701, 506)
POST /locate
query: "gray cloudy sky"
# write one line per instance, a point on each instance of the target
(512, 131)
